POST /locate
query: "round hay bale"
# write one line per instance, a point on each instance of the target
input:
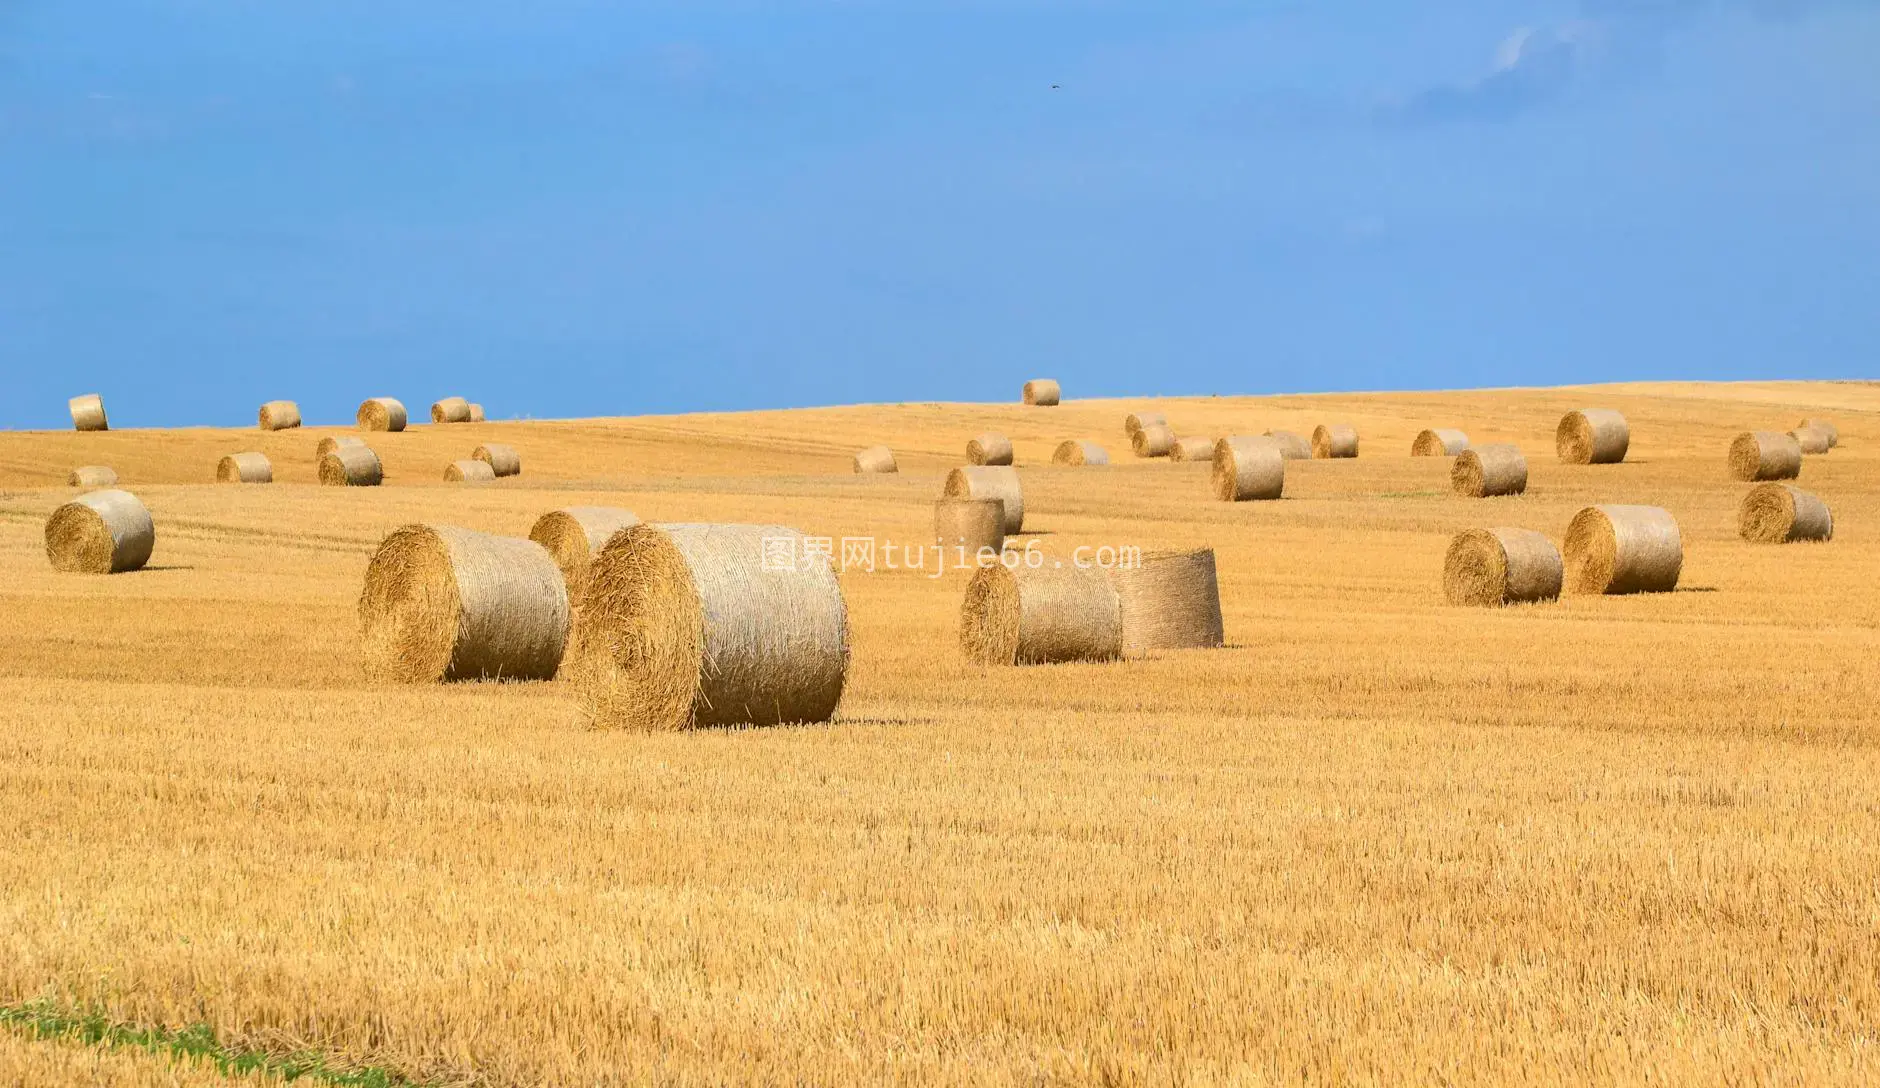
(1623, 549)
(1439, 442)
(1040, 616)
(1780, 514)
(476, 414)
(991, 482)
(1592, 436)
(442, 603)
(88, 413)
(451, 410)
(1042, 392)
(1134, 422)
(1493, 567)
(503, 460)
(102, 532)
(330, 443)
(351, 466)
(93, 476)
(574, 535)
(1486, 471)
(989, 449)
(1154, 440)
(1337, 440)
(468, 472)
(969, 525)
(381, 414)
(279, 415)
(689, 625)
(1077, 452)
(1171, 600)
(1248, 468)
(1292, 446)
(244, 468)
(1765, 455)
(876, 459)
(1825, 426)
(1192, 448)
(1812, 440)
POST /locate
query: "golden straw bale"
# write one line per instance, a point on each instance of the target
(1494, 567)
(1154, 440)
(1039, 616)
(1192, 448)
(1623, 549)
(991, 482)
(244, 468)
(1337, 440)
(876, 459)
(966, 528)
(1169, 600)
(1247, 468)
(279, 415)
(503, 460)
(1439, 442)
(88, 413)
(1136, 421)
(1780, 514)
(381, 414)
(1592, 436)
(330, 443)
(574, 535)
(451, 410)
(1042, 392)
(93, 476)
(1825, 426)
(469, 472)
(476, 413)
(101, 532)
(1485, 471)
(1292, 446)
(1765, 455)
(1077, 452)
(1812, 440)
(351, 466)
(989, 449)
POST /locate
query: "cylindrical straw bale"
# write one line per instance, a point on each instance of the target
(469, 472)
(1195, 447)
(695, 625)
(574, 535)
(503, 460)
(991, 483)
(1042, 392)
(1779, 514)
(381, 414)
(93, 476)
(1623, 549)
(1825, 426)
(279, 415)
(1076, 452)
(1765, 455)
(1039, 616)
(1439, 442)
(244, 468)
(989, 449)
(1169, 600)
(1136, 421)
(1592, 436)
(1485, 471)
(1337, 440)
(1154, 440)
(88, 413)
(1248, 468)
(351, 466)
(1292, 446)
(330, 443)
(442, 603)
(101, 532)
(451, 410)
(1812, 440)
(965, 528)
(476, 413)
(876, 459)
(1494, 567)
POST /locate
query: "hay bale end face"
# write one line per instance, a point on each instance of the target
(1154, 440)
(351, 466)
(876, 459)
(990, 482)
(442, 603)
(989, 449)
(279, 415)
(381, 414)
(574, 535)
(1592, 436)
(1042, 392)
(688, 626)
(1825, 426)
(88, 413)
(468, 472)
(1247, 468)
(1488, 471)
(1170, 600)
(330, 443)
(244, 468)
(1781, 514)
(1336, 440)
(964, 529)
(103, 532)
(1813, 440)
(1134, 422)
(1623, 549)
(503, 460)
(1765, 455)
(93, 476)
(451, 410)
(1439, 442)
(1292, 446)
(1494, 567)
(1076, 452)
(1192, 448)
(1040, 616)
(476, 413)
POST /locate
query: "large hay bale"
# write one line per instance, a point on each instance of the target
(1134, 422)
(968, 527)
(1154, 440)
(1194, 447)
(101, 532)
(1812, 440)
(1765, 455)
(1292, 445)
(1494, 567)
(990, 482)
(381, 414)
(1825, 426)
(1042, 392)
(351, 466)
(244, 468)
(503, 460)
(469, 472)
(330, 443)
(1040, 616)
(574, 535)
(1078, 452)
(1623, 549)
(1780, 514)
(279, 415)
(1248, 468)
(442, 603)
(1486, 471)
(476, 413)
(686, 626)
(876, 459)
(1439, 442)
(451, 410)
(1337, 440)
(88, 413)
(989, 449)
(1170, 600)
(1592, 436)
(93, 476)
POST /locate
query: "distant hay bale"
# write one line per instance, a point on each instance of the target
(574, 535)
(1247, 468)
(1154, 440)
(1292, 446)
(503, 460)
(1042, 392)
(1439, 442)
(1825, 426)
(351, 466)
(279, 415)
(101, 532)
(468, 472)
(1040, 616)
(1171, 600)
(1623, 549)
(1192, 448)
(990, 482)
(1765, 455)
(876, 459)
(381, 414)
(329, 444)
(1337, 440)
(1780, 514)
(244, 468)
(476, 413)
(1487, 471)
(1812, 440)
(989, 449)
(451, 410)
(442, 603)
(88, 413)
(93, 476)
(1592, 436)
(687, 626)
(1134, 422)
(967, 527)
(1077, 452)
(1493, 567)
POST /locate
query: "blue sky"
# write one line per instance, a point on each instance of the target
(578, 208)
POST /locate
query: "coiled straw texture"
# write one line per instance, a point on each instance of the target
(381, 414)
(1292, 446)
(1154, 440)
(1494, 567)
(1781, 514)
(574, 535)
(1042, 392)
(1439, 442)
(88, 413)
(102, 532)
(989, 449)
(1765, 455)
(990, 483)
(1337, 440)
(876, 459)
(244, 468)
(469, 472)
(1247, 468)
(1170, 600)
(1592, 436)
(1076, 452)
(1623, 549)
(1488, 471)
(93, 476)
(1040, 616)
(503, 460)
(451, 410)
(964, 529)
(279, 415)
(351, 466)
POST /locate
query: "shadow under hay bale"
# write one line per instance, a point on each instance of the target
(1439, 442)
(990, 483)
(1489, 471)
(93, 476)
(574, 535)
(1765, 455)
(88, 413)
(876, 459)
(103, 532)
(1247, 468)
(451, 410)
(1040, 616)
(1494, 567)
(469, 472)
(351, 466)
(1334, 441)
(503, 460)
(989, 449)
(1781, 514)
(1592, 436)
(1170, 600)
(244, 468)
(381, 414)
(1617, 549)
(279, 415)
(1042, 392)
(1077, 452)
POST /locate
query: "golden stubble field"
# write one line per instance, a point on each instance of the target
(1376, 840)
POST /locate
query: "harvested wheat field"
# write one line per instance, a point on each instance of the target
(1376, 838)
